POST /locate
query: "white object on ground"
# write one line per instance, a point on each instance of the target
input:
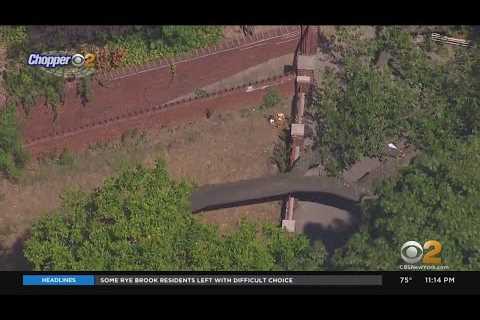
(392, 146)
(288, 225)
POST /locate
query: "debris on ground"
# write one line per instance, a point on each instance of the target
(394, 151)
(278, 119)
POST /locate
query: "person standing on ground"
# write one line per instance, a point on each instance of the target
(173, 71)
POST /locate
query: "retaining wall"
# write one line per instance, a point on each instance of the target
(148, 87)
(80, 138)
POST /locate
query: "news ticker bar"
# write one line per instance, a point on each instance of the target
(202, 280)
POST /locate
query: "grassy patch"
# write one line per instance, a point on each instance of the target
(154, 42)
(12, 34)
(281, 152)
(12, 155)
(133, 137)
(25, 85)
(66, 159)
(200, 93)
(102, 157)
(271, 99)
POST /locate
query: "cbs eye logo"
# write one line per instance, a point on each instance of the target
(413, 252)
(78, 60)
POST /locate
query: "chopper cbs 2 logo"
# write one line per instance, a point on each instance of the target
(413, 252)
(60, 59)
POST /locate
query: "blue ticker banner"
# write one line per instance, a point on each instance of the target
(58, 280)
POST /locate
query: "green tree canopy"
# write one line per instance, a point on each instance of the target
(436, 198)
(356, 120)
(12, 155)
(434, 105)
(413, 97)
(141, 220)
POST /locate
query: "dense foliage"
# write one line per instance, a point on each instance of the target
(141, 220)
(436, 198)
(412, 97)
(27, 86)
(151, 42)
(355, 121)
(429, 100)
(174, 39)
(12, 155)
(58, 37)
(115, 46)
(11, 35)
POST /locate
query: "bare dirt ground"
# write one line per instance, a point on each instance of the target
(226, 147)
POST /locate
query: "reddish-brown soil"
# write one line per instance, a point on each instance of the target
(102, 131)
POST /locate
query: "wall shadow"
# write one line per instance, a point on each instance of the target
(336, 234)
(328, 200)
(332, 237)
(12, 259)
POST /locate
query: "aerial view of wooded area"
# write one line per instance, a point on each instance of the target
(103, 172)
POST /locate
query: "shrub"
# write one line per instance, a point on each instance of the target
(271, 99)
(281, 152)
(26, 85)
(134, 137)
(12, 155)
(84, 89)
(108, 58)
(13, 34)
(361, 108)
(200, 93)
(153, 42)
(66, 158)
